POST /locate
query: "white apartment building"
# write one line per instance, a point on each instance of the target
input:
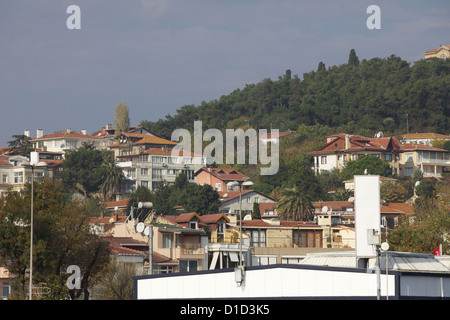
(63, 141)
(155, 166)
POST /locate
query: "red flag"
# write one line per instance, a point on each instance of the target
(437, 251)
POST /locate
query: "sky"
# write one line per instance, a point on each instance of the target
(159, 55)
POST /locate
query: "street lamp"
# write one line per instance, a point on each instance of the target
(240, 184)
(34, 162)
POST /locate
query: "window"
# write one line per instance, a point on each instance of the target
(189, 174)
(256, 199)
(249, 200)
(5, 178)
(157, 173)
(167, 240)
(323, 160)
(187, 160)
(157, 159)
(162, 269)
(173, 160)
(219, 186)
(18, 177)
(408, 157)
(192, 224)
(188, 265)
(144, 183)
(143, 158)
(130, 173)
(220, 228)
(258, 238)
(144, 171)
(409, 171)
(388, 157)
(6, 289)
(172, 171)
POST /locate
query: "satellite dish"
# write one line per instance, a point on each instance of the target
(111, 220)
(140, 227)
(324, 209)
(385, 246)
(379, 135)
(248, 217)
(147, 231)
(417, 183)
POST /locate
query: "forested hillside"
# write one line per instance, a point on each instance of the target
(359, 97)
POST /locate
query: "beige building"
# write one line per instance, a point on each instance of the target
(443, 52)
(431, 161)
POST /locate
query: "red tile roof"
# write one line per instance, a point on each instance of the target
(224, 174)
(159, 151)
(65, 134)
(337, 143)
(418, 146)
(425, 135)
(120, 203)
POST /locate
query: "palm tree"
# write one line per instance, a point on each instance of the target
(295, 204)
(114, 180)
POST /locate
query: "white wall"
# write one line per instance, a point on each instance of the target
(265, 282)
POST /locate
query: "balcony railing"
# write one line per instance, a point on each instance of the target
(288, 242)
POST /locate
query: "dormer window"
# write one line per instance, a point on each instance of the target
(193, 224)
(220, 227)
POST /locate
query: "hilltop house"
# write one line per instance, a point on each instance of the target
(63, 141)
(152, 167)
(403, 159)
(218, 178)
(15, 172)
(431, 161)
(422, 138)
(342, 148)
(230, 203)
(443, 52)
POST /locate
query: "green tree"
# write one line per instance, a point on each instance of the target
(353, 58)
(117, 282)
(256, 214)
(21, 145)
(393, 192)
(426, 190)
(114, 180)
(295, 204)
(122, 118)
(201, 199)
(61, 237)
(371, 163)
(85, 170)
(431, 224)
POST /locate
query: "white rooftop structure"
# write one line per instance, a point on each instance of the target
(397, 261)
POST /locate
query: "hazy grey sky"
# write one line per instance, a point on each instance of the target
(158, 55)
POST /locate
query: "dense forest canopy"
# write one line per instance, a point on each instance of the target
(389, 95)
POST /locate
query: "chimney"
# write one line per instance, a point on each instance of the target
(84, 132)
(69, 130)
(108, 126)
(39, 133)
(347, 141)
(27, 133)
